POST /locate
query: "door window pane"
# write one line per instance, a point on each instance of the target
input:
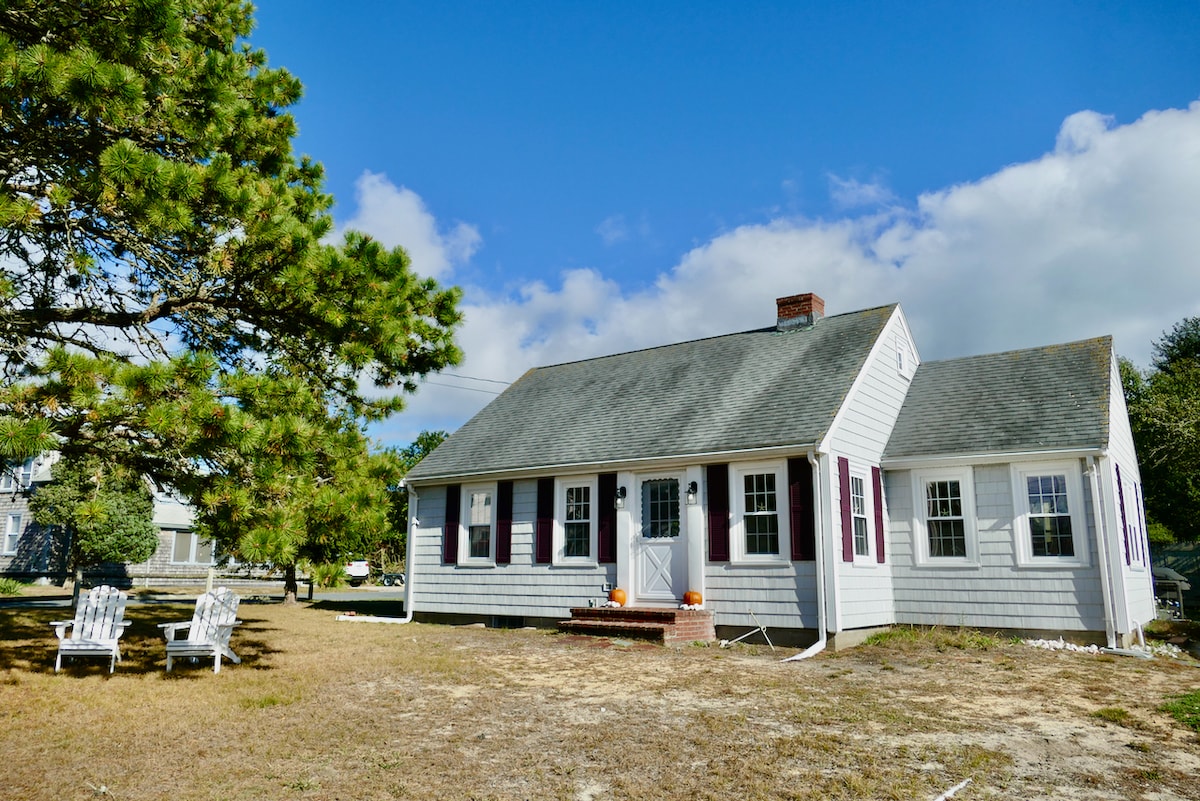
(660, 508)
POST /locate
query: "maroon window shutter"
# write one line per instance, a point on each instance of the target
(800, 510)
(717, 478)
(543, 545)
(1124, 527)
(504, 501)
(877, 489)
(450, 526)
(847, 523)
(606, 518)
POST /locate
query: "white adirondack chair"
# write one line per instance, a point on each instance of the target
(208, 631)
(98, 625)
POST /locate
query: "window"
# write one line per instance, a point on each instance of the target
(858, 516)
(576, 513)
(17, 476)
(760, 525)
(187, 548)
(944, 518)
(945, 530)
(479, 518)
(12, 534)
(1049, 516)
(660, 508)
(1048, 500)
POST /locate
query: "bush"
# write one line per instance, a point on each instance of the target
(327, 574)
(10, 586)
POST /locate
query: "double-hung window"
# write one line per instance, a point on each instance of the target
(188, 549)
(1049, 525)
(858, 516)
(12, 534)
(479, 523)
(576, 514)
(945, 527)
(16, 475)
(760, 530)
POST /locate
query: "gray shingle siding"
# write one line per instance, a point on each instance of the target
(744, 391)
(1040, 399)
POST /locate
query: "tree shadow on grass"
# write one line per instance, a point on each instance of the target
(378, 608)
(28, 644)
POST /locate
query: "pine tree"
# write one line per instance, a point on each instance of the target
(163, 259)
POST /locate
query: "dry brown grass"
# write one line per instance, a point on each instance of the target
(321, 709)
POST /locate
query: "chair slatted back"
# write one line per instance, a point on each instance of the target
(215, 614)
(99, 614)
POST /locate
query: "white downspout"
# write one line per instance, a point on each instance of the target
(822, 635)
(1102, 551)
(413, 521)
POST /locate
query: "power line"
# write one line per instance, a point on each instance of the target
(473, 378)
(469, 389)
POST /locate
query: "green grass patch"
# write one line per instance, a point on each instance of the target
(941, 639)
(1185, 709)
(1112, 714)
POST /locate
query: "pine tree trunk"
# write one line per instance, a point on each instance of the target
(290, 587)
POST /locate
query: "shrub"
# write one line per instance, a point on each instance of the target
(10, 586)
(328, 574)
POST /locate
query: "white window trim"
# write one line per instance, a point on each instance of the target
(560, 521)
(17, 476)
(193, 544)
(965, 476)
(737, 528)
(13, 521)
(864, 559)
(1075, 500)
(464, 528)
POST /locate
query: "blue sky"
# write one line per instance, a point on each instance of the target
(607, 176)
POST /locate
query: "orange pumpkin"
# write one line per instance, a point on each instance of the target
(617, 595)
(692, 598)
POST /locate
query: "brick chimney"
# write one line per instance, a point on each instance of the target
(799, 311)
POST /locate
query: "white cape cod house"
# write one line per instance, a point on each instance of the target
(814, 476)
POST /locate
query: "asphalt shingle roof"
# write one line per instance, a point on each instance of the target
(1038, 399)
(755, 389)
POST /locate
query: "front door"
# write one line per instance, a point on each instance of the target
(661, 544)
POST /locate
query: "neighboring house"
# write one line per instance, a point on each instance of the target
(29, 551)
(815, 473)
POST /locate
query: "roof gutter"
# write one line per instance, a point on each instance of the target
(902, 462)
(822, 612)
(614, 464)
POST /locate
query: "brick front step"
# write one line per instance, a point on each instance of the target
(645, 623)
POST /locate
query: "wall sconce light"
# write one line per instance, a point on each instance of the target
(619, 499)
(692, 492)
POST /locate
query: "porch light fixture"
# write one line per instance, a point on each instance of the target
(692, 491)
(619, 498)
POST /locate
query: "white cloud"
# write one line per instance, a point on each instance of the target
(850, 193)
(396, 215)
(1098, 236)
(613, 229)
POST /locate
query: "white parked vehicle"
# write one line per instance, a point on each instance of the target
(357, 571)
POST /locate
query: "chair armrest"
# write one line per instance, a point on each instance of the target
(169, 629)
(61, 626)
